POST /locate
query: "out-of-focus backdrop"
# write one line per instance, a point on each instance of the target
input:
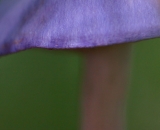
(40, 89)
(144, 99)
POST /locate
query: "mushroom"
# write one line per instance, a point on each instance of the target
(101, 30)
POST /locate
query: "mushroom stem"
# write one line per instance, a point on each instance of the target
(104, 90)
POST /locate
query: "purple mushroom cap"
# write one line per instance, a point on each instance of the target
(65, 24)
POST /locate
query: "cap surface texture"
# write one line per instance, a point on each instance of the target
(65, 24)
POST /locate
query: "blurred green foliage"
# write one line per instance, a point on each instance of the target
(144, 101)
(39, 89)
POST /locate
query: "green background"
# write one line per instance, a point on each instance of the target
(40, 89)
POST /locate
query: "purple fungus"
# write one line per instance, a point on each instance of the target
(63, 24)
(99, 29)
